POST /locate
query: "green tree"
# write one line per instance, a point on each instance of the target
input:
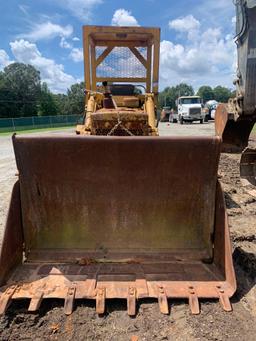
(61, 103)
(169, 95)
(22, 84)
(165, 98)
(222, 94)
(206, 93)
(47, 103)
(75, 99)
(8, 106)
(184, 89)
(1, 79)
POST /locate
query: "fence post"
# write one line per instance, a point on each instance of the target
(33, 122)
(13, 125)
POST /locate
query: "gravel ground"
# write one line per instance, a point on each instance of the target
(149, 324)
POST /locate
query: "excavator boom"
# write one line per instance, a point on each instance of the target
(234, 121)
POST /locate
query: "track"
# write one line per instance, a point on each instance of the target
(149, 324)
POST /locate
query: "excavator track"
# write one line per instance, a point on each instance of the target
(248, 166)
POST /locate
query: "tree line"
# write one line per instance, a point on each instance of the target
(23, 94)
(169, 95)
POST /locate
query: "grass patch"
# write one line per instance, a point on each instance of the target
(36, 130)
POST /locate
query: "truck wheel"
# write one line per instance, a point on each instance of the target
(201, 121)
(181, 120)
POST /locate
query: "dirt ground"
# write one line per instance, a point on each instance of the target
(212, 324)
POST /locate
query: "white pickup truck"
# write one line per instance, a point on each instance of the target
(190, 109)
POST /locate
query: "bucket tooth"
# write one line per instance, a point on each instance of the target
(69, 301)
(131, 301)
(100, 300)
(134, 338)
(224, 300)
(6, 298)
(193, 301)
(162, 300)
(36, 301)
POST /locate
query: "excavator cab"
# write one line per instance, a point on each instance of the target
(117, 211)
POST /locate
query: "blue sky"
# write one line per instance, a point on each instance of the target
(196, 36)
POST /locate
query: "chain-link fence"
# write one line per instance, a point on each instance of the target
(37, 122)
(121, 62)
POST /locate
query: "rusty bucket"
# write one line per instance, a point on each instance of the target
(100, 217)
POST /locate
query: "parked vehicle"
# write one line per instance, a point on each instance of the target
(165, 113)
(173, 117)
(190, 109)
(213, 114)
(210, 108)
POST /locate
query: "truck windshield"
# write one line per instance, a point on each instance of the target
(190, 101)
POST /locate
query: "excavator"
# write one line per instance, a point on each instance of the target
(117, 211)
(234, 121)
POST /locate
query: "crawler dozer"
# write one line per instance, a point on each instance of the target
(234, 121)
(117, 211)
(121, 61)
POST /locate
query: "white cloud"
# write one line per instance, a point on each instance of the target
(189, 25)
(81, 9)
(75, 39)
(209, 59)
(123, 17)
(4, 59)
(24, 9)
(51, 73)
(77, 55)
(185, 24)
(215, 12)
(65, 44)
(47, 30)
